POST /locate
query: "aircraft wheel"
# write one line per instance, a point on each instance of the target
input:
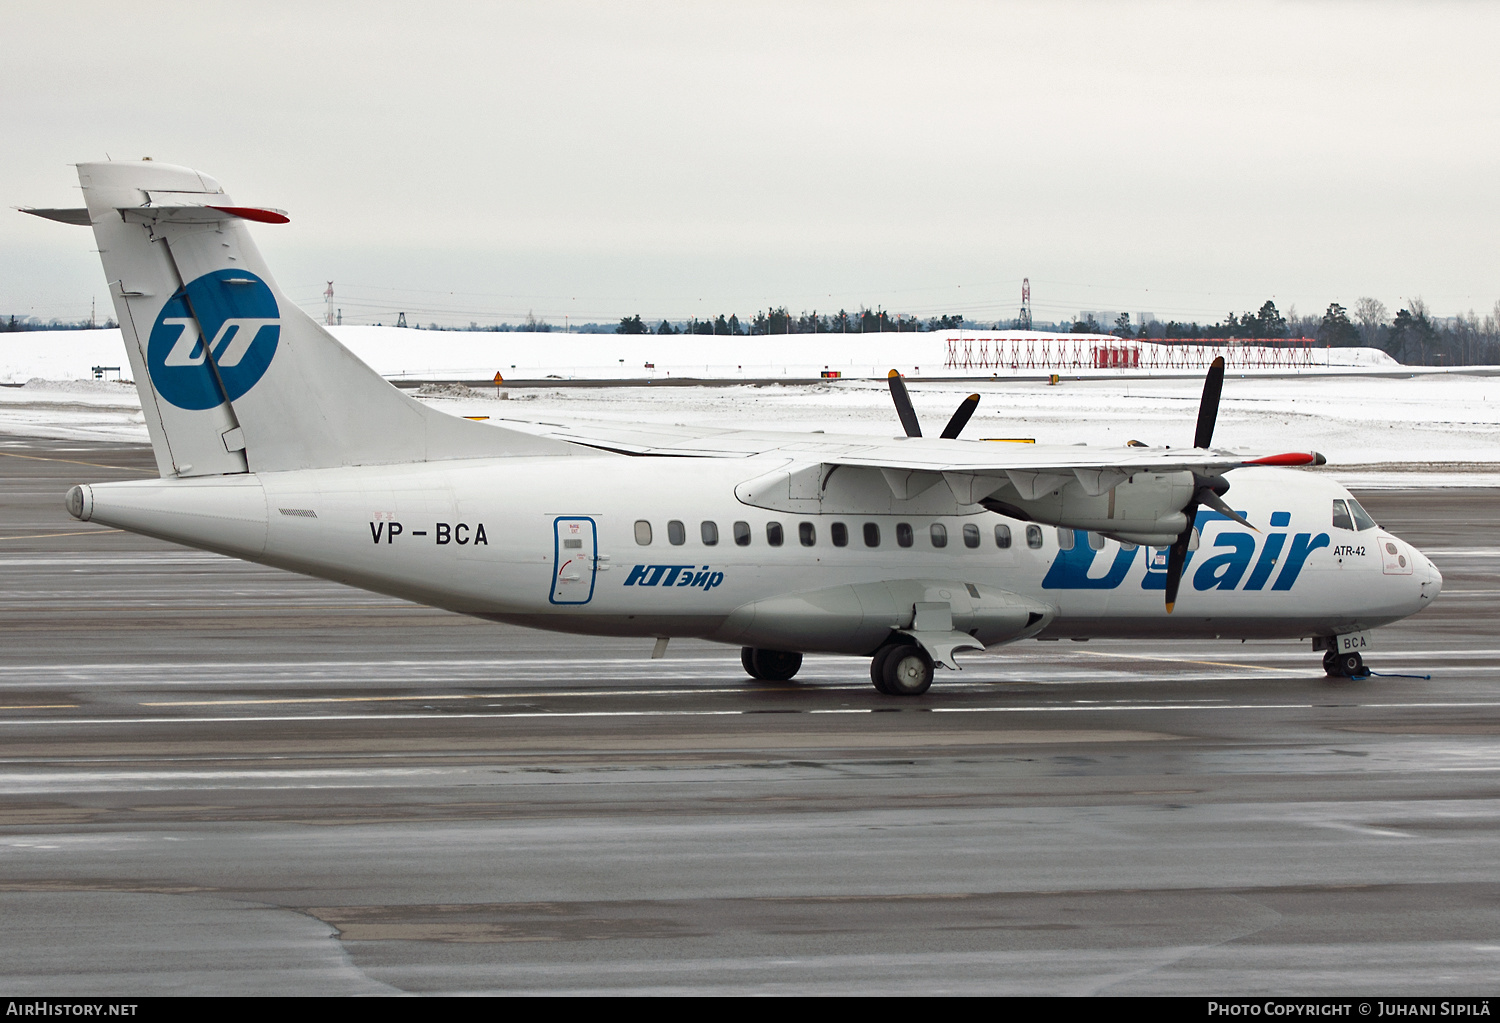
(773, 665)
(877, 669)
(1331, 664)
(1352, 665)
(908, 671)
(747, 658)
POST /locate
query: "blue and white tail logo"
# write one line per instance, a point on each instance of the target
(213, 340)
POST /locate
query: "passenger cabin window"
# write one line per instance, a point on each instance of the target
(676, 535)
(939, 534)
(643, 532)
(1064, 539)
(807, 534)
(903, 534)
(774, 535)
(742, 534)
(840, 534)
(872, 535)
(1096, 541)
(1193, 539)
(971, 535)
(710, 533)
(1034, 537)
(1362, 520)
(1341, 519)
(1002, 536)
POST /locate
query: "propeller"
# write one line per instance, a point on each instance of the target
(908, 414)
(961, 417)
(1207, 490)
(904, 410)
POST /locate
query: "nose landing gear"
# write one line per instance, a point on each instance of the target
(1350, 665)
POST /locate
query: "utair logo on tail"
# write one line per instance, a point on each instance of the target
(214, 339)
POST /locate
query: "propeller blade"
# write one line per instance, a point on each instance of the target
(1217, 503)
(961, 417)
(1208, 408)
(1208, 489)
(1177, 556)
(903, 405)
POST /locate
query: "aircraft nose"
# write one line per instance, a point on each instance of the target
(1432, 579)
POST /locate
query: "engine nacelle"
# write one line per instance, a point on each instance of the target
(1145, 508)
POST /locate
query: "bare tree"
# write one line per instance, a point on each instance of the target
(1372, 315)
(1300, 326)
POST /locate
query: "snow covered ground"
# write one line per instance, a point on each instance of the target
(402, 354)
(1440, 430)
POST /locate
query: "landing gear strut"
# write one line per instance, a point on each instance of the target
(901, 670)
(770, 665)
(1339, 665)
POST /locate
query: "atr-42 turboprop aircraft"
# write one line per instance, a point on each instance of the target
(277, 445)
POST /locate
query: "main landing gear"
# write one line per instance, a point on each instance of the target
(770, 665)
(1339, 665)
(901, 669)
(898, 669)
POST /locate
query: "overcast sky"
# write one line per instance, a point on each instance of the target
(476, 161)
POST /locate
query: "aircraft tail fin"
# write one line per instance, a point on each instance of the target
(233, 377)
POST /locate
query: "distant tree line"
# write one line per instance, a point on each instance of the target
(12, 322)
(1413, 336)
(781, 321)
(1267, 323)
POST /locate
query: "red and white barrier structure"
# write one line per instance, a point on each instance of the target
(1071, 352)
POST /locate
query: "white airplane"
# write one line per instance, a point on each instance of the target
(278, 446)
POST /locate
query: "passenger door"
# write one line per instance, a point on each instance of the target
(575, 552)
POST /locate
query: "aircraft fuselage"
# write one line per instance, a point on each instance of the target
(663, 547)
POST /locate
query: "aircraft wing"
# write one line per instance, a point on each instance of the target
(1031, 467)
(973, 469)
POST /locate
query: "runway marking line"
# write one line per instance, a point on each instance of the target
(1186, 660)
(457, 696)
(76, 532)
(74, 461)
(39, 706)
(1033, 709)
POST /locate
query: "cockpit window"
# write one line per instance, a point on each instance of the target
(1341, 519)
(1362, 520)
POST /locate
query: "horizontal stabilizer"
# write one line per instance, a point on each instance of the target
(200, 213)
(78, 218)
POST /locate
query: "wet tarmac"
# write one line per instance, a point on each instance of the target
(219, 778)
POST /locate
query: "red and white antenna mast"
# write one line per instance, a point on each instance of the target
(328, 298)
(1024, 323)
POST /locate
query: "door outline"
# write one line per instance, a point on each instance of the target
(557, 560)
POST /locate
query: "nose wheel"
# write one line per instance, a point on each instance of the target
(1338, 665)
